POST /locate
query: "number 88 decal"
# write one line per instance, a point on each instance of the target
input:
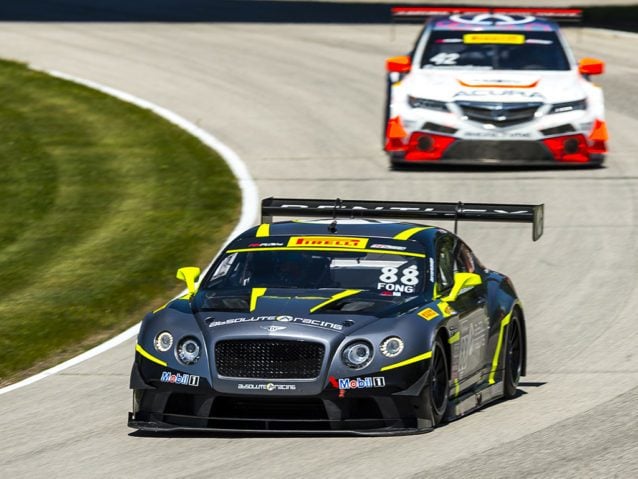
(390, 281)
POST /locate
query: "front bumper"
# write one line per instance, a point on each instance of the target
(572, 150)
(172, 407)
(435, 143)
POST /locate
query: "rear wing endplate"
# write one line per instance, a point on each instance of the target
(414, 13)
(407, 210)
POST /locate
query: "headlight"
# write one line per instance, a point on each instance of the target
(357, 355)
(163, 341)
(428, 104)
(188, 351)
(391, 347)
(569, 106)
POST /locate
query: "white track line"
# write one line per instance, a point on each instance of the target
(249, 197)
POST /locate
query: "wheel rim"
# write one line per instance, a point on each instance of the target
(438, 382)
(514, 353)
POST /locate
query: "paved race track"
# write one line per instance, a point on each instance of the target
(302, 105)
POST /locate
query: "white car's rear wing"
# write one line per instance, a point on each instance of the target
(414, 13)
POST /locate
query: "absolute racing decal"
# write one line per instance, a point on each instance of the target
(264, 245)
(183, 379)
(327, 242)
(267, 387)
(317, 323)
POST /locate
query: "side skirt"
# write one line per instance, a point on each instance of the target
(473, 400)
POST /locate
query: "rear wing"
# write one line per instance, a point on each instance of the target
(407, 210)
(421, 13)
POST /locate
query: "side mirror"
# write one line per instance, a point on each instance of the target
(591, 66)
(402, 64)
(189, 275)
(462, 281)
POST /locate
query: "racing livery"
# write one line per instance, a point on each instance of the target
(351, 324)
(489, 86)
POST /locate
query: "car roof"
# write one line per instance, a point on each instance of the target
(344, 227)
(493, 22)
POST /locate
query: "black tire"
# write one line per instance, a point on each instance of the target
(438, 389)
(514, 349)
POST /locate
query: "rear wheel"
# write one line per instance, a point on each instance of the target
(438, 389)
(513, 356)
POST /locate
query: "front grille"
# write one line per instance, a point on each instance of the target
(528, 151)
(499, 114)
(259, 359)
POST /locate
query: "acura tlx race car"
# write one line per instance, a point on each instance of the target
(354, 324)
(493, 85)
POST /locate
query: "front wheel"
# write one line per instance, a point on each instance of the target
(438, 389)
(513, 356)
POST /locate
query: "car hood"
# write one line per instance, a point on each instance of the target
(495, 86)
(298, 312)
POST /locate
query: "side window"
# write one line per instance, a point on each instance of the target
(464, 259)
(445, 262)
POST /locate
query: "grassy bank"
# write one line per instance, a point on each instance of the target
(100, 202)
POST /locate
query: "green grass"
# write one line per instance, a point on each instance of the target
(100, 203)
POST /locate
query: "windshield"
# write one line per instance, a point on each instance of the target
(387, 273)
(495, 51)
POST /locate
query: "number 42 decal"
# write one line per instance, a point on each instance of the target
(445, 59)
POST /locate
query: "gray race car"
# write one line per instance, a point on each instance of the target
(350, 324)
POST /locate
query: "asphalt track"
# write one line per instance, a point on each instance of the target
(301, 104)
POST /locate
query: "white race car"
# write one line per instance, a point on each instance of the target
(494, 87)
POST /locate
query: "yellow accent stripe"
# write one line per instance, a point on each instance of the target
(161, 307)
(186, 296)
(263, 231)
(446, 309)
(347, 250)
(504, 322)
(415, 359)
(455, 337)
(255, 295)
(140, 350)
(407, 234)
(457, 387)
(336, 297)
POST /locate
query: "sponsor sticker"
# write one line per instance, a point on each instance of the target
(388, 246)
(327, 242)
(264, 245)
(361, 383)
(428, 314)
(504, 93)
(493, 38)
(178, 378)
(266, 387)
